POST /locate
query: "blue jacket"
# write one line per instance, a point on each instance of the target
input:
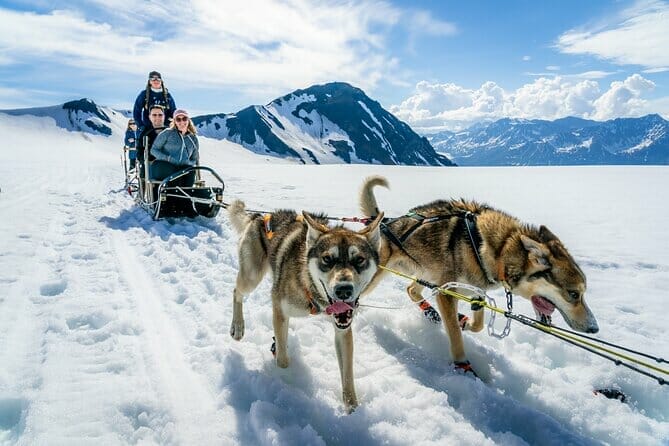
(181, 150)
(130, 138)
(141, 110)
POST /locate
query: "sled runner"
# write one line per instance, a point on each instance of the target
(131, 178)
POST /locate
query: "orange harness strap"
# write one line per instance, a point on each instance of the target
(267, 221)
(501, 275)
(313, 309)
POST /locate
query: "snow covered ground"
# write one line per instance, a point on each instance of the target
(114, 328)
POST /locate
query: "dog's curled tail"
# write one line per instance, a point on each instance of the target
(368, 205)
(238, 216)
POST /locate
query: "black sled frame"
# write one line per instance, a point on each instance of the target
(162, 199)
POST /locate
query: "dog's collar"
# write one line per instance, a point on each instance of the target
(314, 309)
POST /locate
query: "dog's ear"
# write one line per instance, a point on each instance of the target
(545, 235)
(316, 229)
(372, 232)
(538, 253)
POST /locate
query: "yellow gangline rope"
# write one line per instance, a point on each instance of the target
(546, 328)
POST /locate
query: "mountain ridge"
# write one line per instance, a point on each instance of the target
(565, 141)
(339, 123)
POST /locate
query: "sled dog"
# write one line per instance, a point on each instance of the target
(436, 242)
(315, 268)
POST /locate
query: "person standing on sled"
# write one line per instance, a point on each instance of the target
(130, 142)
(175, 149)
(155, 93)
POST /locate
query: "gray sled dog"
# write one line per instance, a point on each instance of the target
(436, 242)
(316, 269)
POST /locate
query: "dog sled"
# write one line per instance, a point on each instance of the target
(167, 198)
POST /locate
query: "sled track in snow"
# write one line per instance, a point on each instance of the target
(192, 403)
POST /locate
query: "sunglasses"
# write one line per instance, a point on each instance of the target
(181, 119)
(155, 79)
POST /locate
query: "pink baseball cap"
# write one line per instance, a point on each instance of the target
(181, 112)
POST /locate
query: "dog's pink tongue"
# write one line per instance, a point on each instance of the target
(338, 307)
(543, 306)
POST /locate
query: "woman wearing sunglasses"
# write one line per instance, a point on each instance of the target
(155, 93)
(175, 149)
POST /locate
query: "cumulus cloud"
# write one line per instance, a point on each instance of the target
(622, 98)
(638, 35)
(435, 107)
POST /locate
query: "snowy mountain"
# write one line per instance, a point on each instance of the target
(82, 115)
(567, 141)
(324, 124)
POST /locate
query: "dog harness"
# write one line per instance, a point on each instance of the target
(473, 233)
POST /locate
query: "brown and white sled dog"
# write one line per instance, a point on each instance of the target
(316, 269)
(433, 241)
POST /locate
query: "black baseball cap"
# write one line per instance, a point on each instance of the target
(155, 74)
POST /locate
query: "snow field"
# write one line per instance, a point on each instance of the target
(114, 328)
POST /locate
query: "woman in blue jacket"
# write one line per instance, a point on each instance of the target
(155, 93)
(175, 149)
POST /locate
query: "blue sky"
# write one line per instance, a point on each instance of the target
(435, 64)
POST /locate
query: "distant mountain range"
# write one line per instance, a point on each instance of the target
(338, 123)
(324, 124)
(567, 141)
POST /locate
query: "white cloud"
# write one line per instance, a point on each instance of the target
(262, 44)
(638, 36)
(553, 68)
(595, 74)
(448, 106)
(622, 98)
(527, 58)
(656, 70)
(423, 22)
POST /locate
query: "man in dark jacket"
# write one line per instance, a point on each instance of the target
(155, 93)
(148, 135)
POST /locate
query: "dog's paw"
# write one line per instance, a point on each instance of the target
(282, 361)
(429, 312)
(237, 330)
(350, 402)
(465, 368)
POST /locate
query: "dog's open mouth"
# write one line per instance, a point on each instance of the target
(542, 305)
(342, 313)
(343, 320)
